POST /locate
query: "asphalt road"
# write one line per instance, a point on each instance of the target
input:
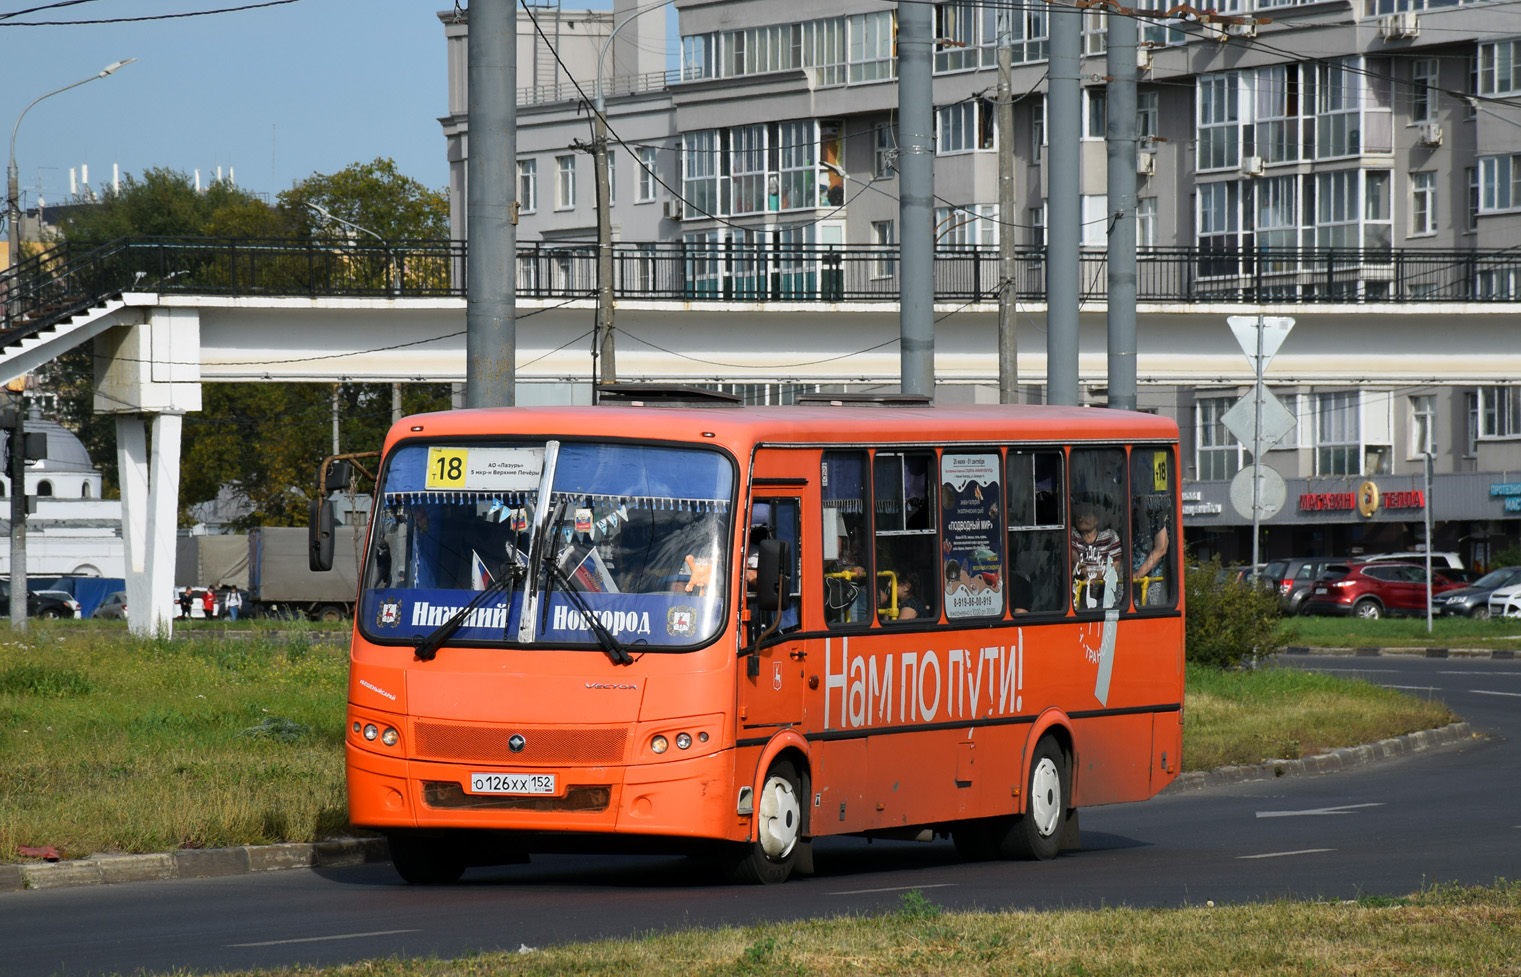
(1388, 828)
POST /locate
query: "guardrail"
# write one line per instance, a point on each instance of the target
(47, 287)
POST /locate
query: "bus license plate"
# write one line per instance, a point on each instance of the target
(1321, 591)
(512, 783)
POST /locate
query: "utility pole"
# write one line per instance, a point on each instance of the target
(1008, 340)
(916, 193)
(1120, 130)
(17, 389)
(607, 355)
(491, 343)
(1064, 112)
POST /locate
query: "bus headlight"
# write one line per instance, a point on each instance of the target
(370, 732)
(390, 736)
(683, 741)
(659, 744)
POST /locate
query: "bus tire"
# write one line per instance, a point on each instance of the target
(769, 859)
(329, 613)
(425, 861)
(1037, 834)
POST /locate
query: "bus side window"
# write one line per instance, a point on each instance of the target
(1100, 525)
(1037, 493)
(1153, 540)
(777, 519)
(845, 581)
(904, 533)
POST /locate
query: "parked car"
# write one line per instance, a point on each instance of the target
(40, 604)
(1373, 590)
(1506, 601)
(1294, 577)
(113, 608)
(66, 598)
(1473, 600)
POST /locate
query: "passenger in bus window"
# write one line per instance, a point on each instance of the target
(1148, 547)
(1096, 552)
(907, 604)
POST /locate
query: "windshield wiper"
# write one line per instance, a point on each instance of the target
(427, 648)
(605, 638)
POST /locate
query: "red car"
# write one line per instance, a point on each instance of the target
(1373, 590)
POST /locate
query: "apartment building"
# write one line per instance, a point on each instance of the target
(1354, 164)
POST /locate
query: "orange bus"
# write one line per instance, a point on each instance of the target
(677, 623)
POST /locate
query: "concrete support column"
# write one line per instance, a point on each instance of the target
(150, 491)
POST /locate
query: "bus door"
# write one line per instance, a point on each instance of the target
(771, 672)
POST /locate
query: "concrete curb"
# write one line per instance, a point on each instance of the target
(193, 863)
(1420, 652)
(1342, 759)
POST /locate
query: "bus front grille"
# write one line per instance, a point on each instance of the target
(454, 743)
(441, 795)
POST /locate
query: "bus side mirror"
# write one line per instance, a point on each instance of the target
(773, 591)
(339, 475)
(319, 535)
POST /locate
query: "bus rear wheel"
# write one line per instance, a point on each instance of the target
(779, 831)
(1037, 834)
(425, 861)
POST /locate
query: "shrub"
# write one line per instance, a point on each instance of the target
(1228, 620)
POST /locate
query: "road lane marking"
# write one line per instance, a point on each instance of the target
(1342, 809)
(1281, 854)
(1488, 692)
(1418, 688)
(1506, 674)
(896, 888)
(321, 939)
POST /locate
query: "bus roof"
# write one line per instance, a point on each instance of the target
(737, 426)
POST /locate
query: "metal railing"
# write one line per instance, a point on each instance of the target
(565, 91)
(57, 283)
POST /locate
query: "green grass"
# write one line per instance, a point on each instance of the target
(110, 743)
(1446, 632)
(1443, 931)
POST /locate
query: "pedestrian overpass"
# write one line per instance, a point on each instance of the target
(164, 316)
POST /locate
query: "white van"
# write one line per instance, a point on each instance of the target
(1450, 561)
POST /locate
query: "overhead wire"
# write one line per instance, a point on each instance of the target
(134, 20)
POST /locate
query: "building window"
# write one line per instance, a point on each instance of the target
(1499, 68)
(824, 49)
(1337, 209)
(747, 168)
(1147, 120)
(1277, 113)
(1096, 219)
(1218, 456)
(1422, 425)
(528, 185)
(1499, 183)
(1278, 218)
(797, 165)
(1146, 223)
(1095, 118)
(1499, 412)
(885, 236)
(961, 30)
(699, 173)
(1378, 215)
(647, 182)
(1471, 223)
(697, 60)
(1219, 218)
(1038, 123)
(1423, 89)
(1036, 221)
(1337, 434)
(872, 44)
(1338, 121)
(965, 227)
(1219, 135)
(964, 127)
(885, 162)
(1471, 425)
(1423, 204)
(565, 183)
(45, 488)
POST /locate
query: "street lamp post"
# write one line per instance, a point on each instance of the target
(12, 180)
(393, 282)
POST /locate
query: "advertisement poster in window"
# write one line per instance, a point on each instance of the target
(972, 542)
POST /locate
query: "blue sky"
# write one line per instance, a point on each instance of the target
(276, 94)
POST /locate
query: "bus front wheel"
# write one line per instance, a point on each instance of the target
(425, 861)
(1038, 832)
(779, 831)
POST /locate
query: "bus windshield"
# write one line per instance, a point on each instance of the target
(633, 535)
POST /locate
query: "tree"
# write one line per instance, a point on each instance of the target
(373, 196)
(261, 440)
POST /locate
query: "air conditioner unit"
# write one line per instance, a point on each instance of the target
(1143, 58)
(1146, 164)
(1251, 166)
(1399, 26)
(1430, 133)
(671, 210)
(1248, 29)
